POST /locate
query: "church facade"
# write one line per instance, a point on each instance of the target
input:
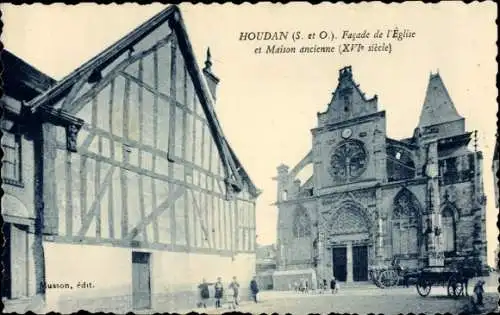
(372, 199)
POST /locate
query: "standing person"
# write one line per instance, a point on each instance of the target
(306, 285)
(333, 285)
(234, 287)
(325, 285)
(204, 293)
(254, 288)
(478, 293)
(219, 292)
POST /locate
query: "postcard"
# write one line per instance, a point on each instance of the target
(267, 158)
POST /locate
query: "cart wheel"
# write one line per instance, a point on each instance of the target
(388, 278)
(377, 283)
(455, 286)
(423, 287)
(373, 277)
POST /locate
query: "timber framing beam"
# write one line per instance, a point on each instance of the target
(95, 205)
(200, 217)
(106, 57)
(168, 203)
(82, 100)
(75, 89)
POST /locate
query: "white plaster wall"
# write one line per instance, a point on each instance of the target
(174, 272)
(31, 266)
(110, 270)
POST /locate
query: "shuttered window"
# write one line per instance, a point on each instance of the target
(11, 161)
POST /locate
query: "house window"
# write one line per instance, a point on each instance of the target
(11, 161)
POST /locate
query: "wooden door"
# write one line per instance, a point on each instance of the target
(360, 263)
(7, 274)
(19, 260)
(141, 284)
(16, 261)
(340, 263)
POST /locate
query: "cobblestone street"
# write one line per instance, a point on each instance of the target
(363, 300)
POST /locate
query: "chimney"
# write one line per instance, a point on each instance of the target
(211, 78)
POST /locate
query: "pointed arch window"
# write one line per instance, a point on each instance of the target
(302, 224)
(448, 228)
(406, 224)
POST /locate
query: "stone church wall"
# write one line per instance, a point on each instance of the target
(366, 132)
(387, 207)
(296, 252)
(373, 193)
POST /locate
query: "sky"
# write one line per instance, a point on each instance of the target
(267, 103)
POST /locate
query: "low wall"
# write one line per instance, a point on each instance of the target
(285, 280)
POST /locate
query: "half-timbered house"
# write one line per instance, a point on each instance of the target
(22, 162)
(147, 197)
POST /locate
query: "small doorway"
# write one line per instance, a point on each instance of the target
(340, 263)
(15, 280)
(141, 280)
(360, 263)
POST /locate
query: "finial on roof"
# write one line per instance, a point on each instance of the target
(345, 73)
(208, 61)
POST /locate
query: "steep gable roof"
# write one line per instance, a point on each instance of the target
(232, 167)
(438, 107)
(103, 59)
(22, 82)
(348, 101)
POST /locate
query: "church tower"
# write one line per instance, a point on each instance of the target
(455, 196)
(373, 201)
(350, 137)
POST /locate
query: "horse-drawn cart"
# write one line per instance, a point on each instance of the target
(455, 280)
(391, 276)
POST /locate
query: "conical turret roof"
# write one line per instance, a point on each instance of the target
(438, 107)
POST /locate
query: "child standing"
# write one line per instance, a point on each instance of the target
(333, 285)
(219, 292)
(234, 289)
(478, 293)
(204, 293)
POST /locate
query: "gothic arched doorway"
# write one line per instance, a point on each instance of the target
(349, 234)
